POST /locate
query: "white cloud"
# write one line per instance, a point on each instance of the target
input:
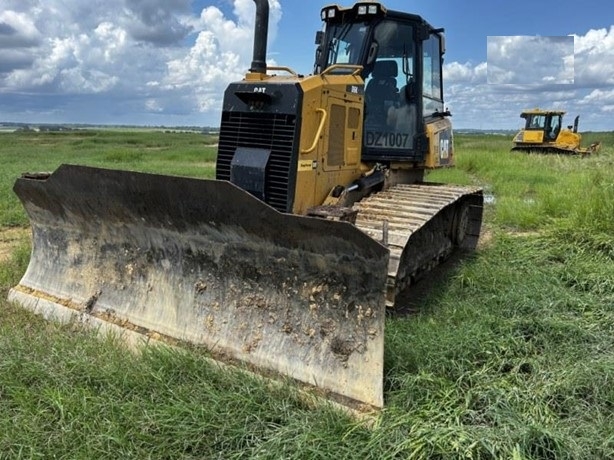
(465, 73)
(18, 37)
(594, 57)
(530, 60)
(112, 40)
(156, 21)
(74, 64)
(17, 30)
(219, 54)
(598, 98)
(154, 51)
(152, 105)
(589, 72)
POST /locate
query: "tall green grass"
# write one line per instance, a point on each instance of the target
(186, 154)
(511, 355)
(533, 191)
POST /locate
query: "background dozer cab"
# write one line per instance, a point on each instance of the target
(544, 133)
(317, 218)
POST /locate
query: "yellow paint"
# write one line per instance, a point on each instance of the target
(330, 152)
(441, 148)
(533, 136)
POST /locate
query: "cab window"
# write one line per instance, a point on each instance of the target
(432, 98)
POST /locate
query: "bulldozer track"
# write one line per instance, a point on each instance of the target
(421, 225)
(553, 150)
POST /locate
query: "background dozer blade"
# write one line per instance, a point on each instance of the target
(203, 262)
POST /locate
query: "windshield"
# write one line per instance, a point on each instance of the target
(536, 121)
(345, 43)
(390, 88)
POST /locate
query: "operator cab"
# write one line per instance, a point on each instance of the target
(548, 122)
(401, 57)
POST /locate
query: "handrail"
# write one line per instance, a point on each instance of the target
(356, 68)
(284, 68)
(318, 133)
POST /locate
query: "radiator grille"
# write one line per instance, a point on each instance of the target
(336, 141)
(275, 132)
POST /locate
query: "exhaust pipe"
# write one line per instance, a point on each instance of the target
(575, 124)
(261, 31)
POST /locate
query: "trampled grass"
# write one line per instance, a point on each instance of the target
(511, 354)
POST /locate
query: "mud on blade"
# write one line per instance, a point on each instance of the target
(203, 262)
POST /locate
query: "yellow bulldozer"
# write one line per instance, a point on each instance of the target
(318, 217)
(544, 133)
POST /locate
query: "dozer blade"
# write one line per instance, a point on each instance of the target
(203, 262)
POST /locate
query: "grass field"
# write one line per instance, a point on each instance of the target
(511, 355)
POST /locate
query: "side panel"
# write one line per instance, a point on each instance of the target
(568, 139)
(331, 136)
(533, 136)
(441, 144)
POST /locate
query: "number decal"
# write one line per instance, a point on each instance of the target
(387, 139)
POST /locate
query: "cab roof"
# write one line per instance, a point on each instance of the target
(538, 111)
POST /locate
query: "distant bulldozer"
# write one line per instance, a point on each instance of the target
(543, 133)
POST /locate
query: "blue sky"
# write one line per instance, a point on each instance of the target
(167, 62)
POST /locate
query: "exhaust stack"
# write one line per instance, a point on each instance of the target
(261, 31)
